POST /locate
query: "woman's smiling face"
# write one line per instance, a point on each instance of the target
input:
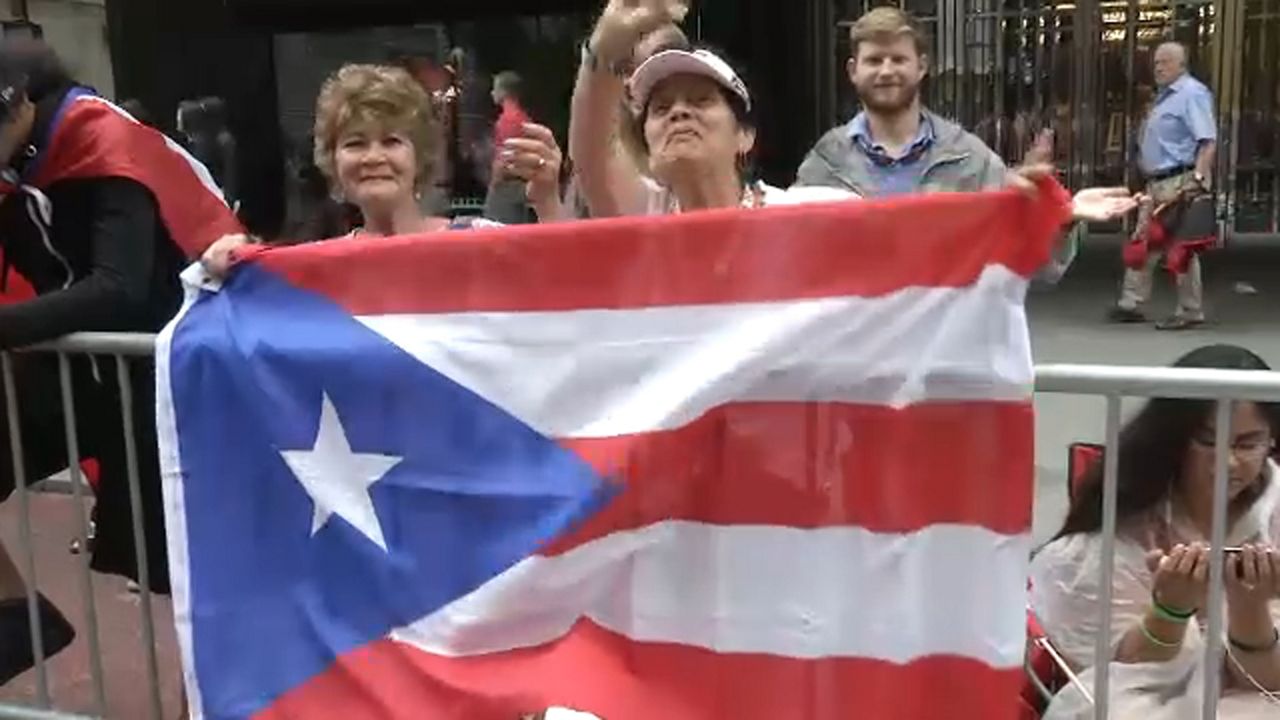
(375, 166)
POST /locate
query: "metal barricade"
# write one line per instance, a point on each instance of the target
(123, 348)
(1114, 384)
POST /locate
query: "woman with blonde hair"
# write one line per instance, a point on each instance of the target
(375, 146)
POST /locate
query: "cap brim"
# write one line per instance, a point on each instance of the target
(679, 62)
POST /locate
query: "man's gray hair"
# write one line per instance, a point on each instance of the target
(510, 83)
(1180, 48)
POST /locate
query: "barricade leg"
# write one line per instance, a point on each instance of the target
(1213, 646)
(1110, 483)
(77, 490)
(139, 534)
(24, 520)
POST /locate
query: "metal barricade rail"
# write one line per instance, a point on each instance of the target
(123, 348)
(1110, 382)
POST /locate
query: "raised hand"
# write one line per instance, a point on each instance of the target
(535, 157)
(1036, 164)
(1100, 204)
(1041, 150)
(625, 22)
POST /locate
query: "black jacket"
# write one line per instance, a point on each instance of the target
(108, 263)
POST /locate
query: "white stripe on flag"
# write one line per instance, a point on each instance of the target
(605, 373)
(175, 502)
(797, 593)
(197, 167)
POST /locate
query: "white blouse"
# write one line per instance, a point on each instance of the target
(1064, 597)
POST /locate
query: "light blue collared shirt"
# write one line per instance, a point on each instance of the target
(893, 175)
(1181, 119)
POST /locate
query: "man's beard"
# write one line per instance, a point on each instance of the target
(901, 99)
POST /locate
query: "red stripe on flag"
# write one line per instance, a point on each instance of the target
(595, 670)
(860, 248)
(820, 464)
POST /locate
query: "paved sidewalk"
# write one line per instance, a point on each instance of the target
(1068, 325)
(119, 622)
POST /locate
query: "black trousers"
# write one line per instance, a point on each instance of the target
(100, 431)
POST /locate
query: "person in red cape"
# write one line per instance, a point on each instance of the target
(99, 214)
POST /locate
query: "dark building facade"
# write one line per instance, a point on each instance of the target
(266, 58)
(1004, 68)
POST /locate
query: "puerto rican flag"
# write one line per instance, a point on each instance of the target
(741, 464)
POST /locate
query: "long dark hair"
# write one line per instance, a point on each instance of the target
(1153, 447)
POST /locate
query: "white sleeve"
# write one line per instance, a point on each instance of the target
(797, 195)
(657, 199)
(557, 713)
(1065, 593)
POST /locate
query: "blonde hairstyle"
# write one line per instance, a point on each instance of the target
(887, 23)
(384, 96)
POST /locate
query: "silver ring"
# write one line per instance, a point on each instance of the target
(542, 162)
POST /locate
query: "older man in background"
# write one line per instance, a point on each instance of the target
(1176, 158)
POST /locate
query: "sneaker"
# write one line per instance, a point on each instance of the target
(1179, 323)
(1118, 314)
(16, 656)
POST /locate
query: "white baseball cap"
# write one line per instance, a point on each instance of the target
(663, 65)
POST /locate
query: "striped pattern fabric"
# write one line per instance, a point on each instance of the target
(815, 424)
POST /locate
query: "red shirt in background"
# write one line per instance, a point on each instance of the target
(511, 122)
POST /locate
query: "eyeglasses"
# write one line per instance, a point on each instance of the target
(1252, 449)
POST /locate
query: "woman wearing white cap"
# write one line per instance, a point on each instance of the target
(692, 129)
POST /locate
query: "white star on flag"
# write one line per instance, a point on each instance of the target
(337, 479)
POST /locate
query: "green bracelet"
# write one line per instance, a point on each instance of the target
(1275, 640)
(1142, 625)
(1165, 613)
(1174, 615)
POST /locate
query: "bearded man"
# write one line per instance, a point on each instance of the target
(895, 146)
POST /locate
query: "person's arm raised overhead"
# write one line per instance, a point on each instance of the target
(611, 183)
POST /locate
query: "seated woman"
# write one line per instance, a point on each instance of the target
(1165, 501)
(374, 143)
(691, 128)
